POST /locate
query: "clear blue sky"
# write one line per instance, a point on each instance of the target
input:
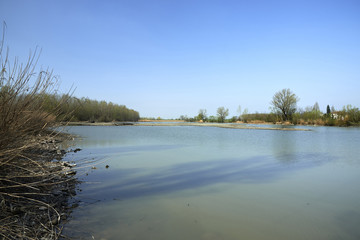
(169, 58)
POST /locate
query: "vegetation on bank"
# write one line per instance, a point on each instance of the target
(84, 109)
(35, 190)
(284, 110)
(28, 209)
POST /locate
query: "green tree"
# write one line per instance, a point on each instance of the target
(212, 119)
(222, 113)
(352, 115)
(245, 115)
(316, 111)
(284, 103)
(328, 111)
(202, 115)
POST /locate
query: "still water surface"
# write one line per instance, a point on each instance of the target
(213, 183)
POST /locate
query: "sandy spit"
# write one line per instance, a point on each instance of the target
(220, 125)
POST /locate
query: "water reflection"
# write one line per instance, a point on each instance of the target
(284, 144)
(131, 183)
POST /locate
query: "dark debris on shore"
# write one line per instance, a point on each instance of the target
(37, 190)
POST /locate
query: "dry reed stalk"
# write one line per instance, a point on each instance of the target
(35, 193)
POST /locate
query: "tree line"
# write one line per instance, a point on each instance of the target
(84, 109)
(284, 109)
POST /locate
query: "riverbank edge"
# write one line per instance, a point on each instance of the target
(39, 207)
(190, 124)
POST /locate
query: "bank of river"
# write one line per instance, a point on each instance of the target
(229, 125)
(195, 124)
(37, 188)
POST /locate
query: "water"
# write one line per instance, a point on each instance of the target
(214, 183)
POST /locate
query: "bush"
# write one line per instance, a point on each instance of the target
(330, 121)
(21, 104)
(26, 181)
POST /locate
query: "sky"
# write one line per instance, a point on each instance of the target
(166, 58)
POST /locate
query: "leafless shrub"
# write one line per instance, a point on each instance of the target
(33, 189)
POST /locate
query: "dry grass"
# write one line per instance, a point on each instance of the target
(34, 191)
(34, 194)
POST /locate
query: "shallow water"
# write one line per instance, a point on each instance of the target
(213, 183)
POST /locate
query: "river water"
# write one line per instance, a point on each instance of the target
(185, 182)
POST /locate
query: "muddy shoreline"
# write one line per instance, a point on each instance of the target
(37, 193)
